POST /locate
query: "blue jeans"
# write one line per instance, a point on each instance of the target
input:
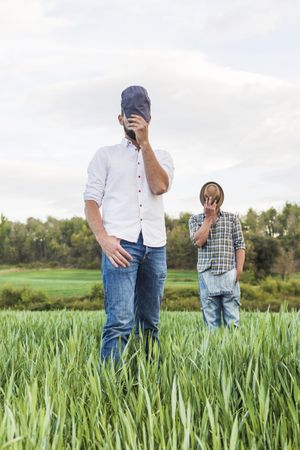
(132, 296)
(223, 307)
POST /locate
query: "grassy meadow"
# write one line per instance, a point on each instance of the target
(59, 288)
(232, 389)
(76, 282)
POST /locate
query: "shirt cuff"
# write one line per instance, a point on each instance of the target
(239, 246)
(96, 199)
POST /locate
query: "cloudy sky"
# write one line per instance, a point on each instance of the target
(223, 77)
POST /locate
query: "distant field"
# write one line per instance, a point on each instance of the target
(75, 282)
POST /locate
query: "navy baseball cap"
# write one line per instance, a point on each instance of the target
(135, 100)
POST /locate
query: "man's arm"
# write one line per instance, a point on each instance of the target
(117, 255)
(94, 219)
(157, 177)
(93, 195)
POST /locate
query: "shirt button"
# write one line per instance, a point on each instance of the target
(140, 190)
(139, 176)
(141, 219)
(139, 163)
(141, 205)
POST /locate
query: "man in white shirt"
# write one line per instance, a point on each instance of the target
(128, 180)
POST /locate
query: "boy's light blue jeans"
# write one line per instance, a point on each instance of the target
(220, 298)
(132, 296)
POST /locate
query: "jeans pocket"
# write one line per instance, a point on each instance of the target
(237, 301)
(203, 290)
(237, 288)
(202, 284)
(237, 294)
(162, 276)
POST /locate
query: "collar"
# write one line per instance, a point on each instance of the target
(128, 143)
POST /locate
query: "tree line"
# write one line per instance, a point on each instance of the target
(272, 241)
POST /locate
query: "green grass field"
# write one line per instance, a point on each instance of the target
(75, 282)
(231, 390)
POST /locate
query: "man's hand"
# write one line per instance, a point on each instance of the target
(117, 255)
(140, 127)
(211, 209)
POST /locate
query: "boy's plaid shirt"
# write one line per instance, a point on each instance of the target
(225, 237)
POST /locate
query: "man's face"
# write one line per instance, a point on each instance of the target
(130, 133)
(124, 122)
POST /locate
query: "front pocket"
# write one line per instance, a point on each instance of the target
(202, 287)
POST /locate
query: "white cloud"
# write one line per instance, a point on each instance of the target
(34, 189)
(28, 18)
(65, 65)
(142, 23)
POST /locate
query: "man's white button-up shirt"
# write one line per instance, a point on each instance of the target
(117, 181)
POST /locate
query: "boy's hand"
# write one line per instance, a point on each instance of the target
(211, 209)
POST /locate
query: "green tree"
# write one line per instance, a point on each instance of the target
(181, 252)
(265, 252)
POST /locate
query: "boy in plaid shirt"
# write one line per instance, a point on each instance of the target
(221, 255)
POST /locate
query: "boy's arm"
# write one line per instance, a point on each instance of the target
(201, 235)
(210, 210)
(240, 259)
(239, 246)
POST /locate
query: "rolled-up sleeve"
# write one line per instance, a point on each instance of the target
(96, 177)
(193, 227)
(237, 234)
(166, 161)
